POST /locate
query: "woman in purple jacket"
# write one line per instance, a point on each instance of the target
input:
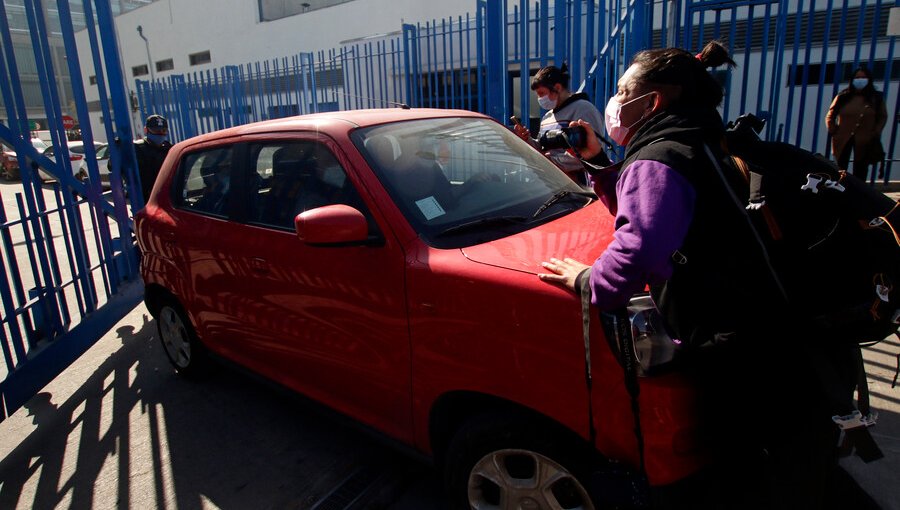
(680, 231)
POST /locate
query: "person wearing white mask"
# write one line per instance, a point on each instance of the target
(551, 84)
(855, 120)
(680, 232)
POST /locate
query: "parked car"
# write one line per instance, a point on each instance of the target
(384, 262)
(9, 163)
(76, 155)
(102, 165)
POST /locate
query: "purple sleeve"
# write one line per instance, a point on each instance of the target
(655, 207)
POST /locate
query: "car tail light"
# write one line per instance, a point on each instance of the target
(76, 157)
(654, 349)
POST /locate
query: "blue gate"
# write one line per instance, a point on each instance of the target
(69, 261)
(794, 56)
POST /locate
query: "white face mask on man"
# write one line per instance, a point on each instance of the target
(614, 128)
(546, 103)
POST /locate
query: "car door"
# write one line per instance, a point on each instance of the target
(328, 321)
(200, 234)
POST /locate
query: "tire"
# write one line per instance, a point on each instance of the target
(179, 341)
(510, 462)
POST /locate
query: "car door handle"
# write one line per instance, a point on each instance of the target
(259, 265)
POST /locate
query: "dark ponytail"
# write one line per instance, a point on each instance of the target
(714, 55)
(676, 67)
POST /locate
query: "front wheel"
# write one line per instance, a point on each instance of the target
(179, 340)
(499, 463)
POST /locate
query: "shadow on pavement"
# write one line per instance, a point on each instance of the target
(135, 435)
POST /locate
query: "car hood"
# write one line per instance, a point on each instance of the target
(582, 235)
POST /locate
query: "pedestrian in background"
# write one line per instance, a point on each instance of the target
(151, 151)
(855, 119)
(551, 84)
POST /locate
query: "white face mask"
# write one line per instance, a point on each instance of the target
(614, 128)
(860, 83)
(546, 103)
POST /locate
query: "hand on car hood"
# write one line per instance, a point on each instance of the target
(582, 235)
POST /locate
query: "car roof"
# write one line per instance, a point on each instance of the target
(321, 121)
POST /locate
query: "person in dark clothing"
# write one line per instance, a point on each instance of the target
(680, 231)
(855, 120)
(151, 151)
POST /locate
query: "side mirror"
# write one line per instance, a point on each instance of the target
(332, 225)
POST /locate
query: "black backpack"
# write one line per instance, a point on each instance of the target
(833, 239)
(835, 248)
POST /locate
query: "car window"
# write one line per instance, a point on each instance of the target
(103, 152)
(77, 149)
(461, 181)
(204, 182)
(49, 152)
(287, 178)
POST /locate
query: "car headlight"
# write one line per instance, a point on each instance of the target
(654, 349)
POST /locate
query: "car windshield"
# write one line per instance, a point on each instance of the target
(38, 144)
(464, 181)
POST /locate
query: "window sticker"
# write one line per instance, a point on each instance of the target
(430, 208)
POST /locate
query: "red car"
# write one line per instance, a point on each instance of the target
(384, 263)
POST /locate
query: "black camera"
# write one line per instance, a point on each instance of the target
(574, 137)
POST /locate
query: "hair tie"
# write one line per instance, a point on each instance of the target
(699, 57)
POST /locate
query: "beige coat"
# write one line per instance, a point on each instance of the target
(859, 119)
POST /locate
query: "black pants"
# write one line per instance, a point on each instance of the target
(860, 168)
(768, 427)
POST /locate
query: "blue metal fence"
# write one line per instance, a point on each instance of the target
(69, 261)
(792, 55)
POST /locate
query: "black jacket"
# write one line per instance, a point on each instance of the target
(722, 285)
(150, 158)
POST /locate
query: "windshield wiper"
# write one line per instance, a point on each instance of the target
(479, 223)
(559, 195)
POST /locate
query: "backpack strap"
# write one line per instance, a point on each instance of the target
(757, 197)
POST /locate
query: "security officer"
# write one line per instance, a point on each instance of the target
(151, 151)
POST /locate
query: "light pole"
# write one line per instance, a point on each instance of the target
(140, 31)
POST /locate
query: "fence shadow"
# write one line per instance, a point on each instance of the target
(136, 435)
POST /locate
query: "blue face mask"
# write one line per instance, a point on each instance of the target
(157, 139)
(860, 83)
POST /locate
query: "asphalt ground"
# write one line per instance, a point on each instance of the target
(118, 429)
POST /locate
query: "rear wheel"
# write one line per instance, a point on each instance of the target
(179, 340)
(500, 462)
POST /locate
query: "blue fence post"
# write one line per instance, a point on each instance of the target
(124, 135)
(560, 32)
(496, 59)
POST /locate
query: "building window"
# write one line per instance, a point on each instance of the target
(92, 79)
(165, 65)
(140, 70)
(200, 58)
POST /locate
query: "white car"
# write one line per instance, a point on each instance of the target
(102, 165)
(76, 155)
